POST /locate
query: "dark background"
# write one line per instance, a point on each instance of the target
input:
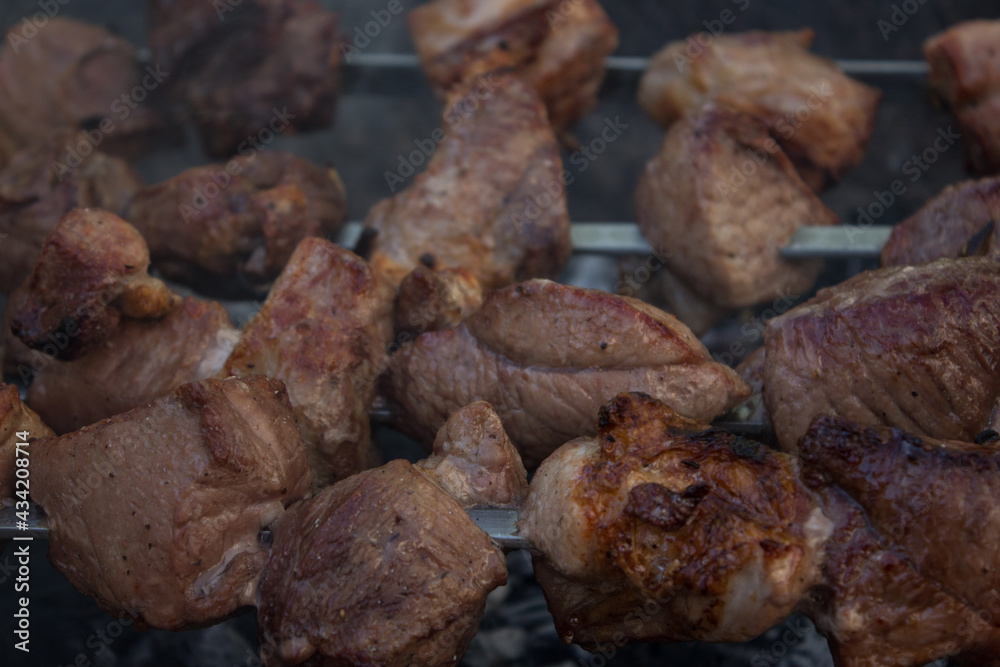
(381, 113)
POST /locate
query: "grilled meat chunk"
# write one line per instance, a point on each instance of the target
(821, 117)
(163, 518)
(91, 273)
(547, 356)
(492, 200)
(141, 360)
(323, 331)
(15, 418)
(419, 572)
(430, 300)
(37, 188)
(917, 348)
(244, 217)
(962, 221)
(716, 530)
(725, 230)
(558, 49)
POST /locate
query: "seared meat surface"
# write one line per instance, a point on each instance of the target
(962, 221)
(724, 229)
(163, 516)
(37, 188)
(15, 417)
(383, 568)
(492, 200)
(715, 530)
(558, 48)
(430, 300)
(90, 275)
(323, 331)
(141, 360)
(243, 218)
(917, 348)
(821, 117)
(547, 356)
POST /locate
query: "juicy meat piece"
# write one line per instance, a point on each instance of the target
(15, 417)
(492, 200)
(821, 117)
(430, 300)
(157, 512)
(475, 462)
(244, 217)
(962, 221)
(140, 361)
(725, 230)
(558, 49)
(383, 568)
(262, 66)
(715, 530)
(91, 273)
(547, 356)
(35, 193)
(323, 331)
(917, 348)
(73, 75)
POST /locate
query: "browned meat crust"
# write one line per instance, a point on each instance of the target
(15, 418)
(324, 331)
(383, 568)
(725, 229)
(140, 361)
(547, 356)
(430, 300)
(492, 200)
(241, 218)
(917, 348)
(156, 513)
(91, 273)
(821, 117)
(962, 221)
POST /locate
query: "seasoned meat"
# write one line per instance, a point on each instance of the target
(492, 200)
(323, 331)
(244, 217)
(557, 47)
(962, 221)
(37, 188)
(383, 568)
(430, 300)
(141, 360)
(821, 117)
(714, 531)
(248, 68)
(79, 76)
(15, 418)
(917, 348)
(547, 356)
(91, 273)
(725, 229)
(157, 512)
(475, 462)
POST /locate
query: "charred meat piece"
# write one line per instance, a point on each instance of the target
(15, 418)
(383, 568)
(163, 518)
(492, 200)
(248, 68)
(90, 275)
(725, 229)
(962, 221)
(430, 300)
(140, 361)
(547, 356)
(475, 462)
(323, 331)
(38, 187)
(557, 47)
(821, 117)
(916, 348)
(244, 217)
(716, 531)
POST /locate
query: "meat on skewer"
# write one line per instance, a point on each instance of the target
(430, 300)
